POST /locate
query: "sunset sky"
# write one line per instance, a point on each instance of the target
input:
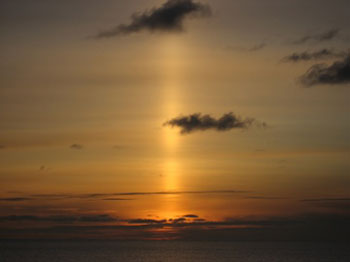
(175, 119)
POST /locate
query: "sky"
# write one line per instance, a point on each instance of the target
(175, 119)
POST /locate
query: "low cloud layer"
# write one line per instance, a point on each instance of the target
(320, 37)
(337, 73)
(167, 18)
(15, 199)
(303, 227)
(316, 55)
(199, 122)
(60, 218)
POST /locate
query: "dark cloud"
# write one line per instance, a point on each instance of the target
(167, 18)
(76, 146)
(337, 73)
(178, 220)
(199, 122)
(146, 221)
(304, 227)
(320, 37)
(316, 55)
(265, 198)
(2, 147)
(190, 216)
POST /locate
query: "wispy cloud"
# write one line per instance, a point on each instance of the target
(167, 18)
(337, 73)
(76, 146)
(325, 199)
(15, 199)
(60, 218)
(315, 55)
(119, 196)
(253, 48)
(117, 199)
(199, 122)
(319, 37)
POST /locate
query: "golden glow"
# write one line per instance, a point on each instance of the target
(172, 52)
(171, 174)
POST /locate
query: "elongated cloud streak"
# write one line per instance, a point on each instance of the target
(199, 122)
(337, 73)
(321, 37)
(167, 18)
(316, 55)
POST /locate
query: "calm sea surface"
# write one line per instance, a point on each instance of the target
(156, 251)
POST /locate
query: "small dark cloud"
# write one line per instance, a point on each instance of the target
(337, 73)
(2, 147)
(167, 18)
(199, 122)
(316, 55)
(76, 146)
(190, 216)
(320, 37)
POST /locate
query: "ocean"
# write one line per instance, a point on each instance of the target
(171, 251)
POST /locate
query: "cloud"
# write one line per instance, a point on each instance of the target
(307, 56)
(199, 122)
(114, 196)
(146, 221)
(2, 147)
(190, 216)
(117, 199)
(15, 199)
(254, 48)
(324, 199)
(76, 146)
(167, 18)
(337, 73)
(303, 227)
(321, 37)
(60, 218)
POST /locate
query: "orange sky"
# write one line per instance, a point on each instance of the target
(82, 137)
